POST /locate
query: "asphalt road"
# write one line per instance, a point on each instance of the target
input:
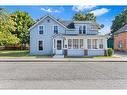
(63, 75)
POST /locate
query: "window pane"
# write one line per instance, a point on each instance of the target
(94, 43)
(69, 43)
(40, 29)
(89, 43)
(101, 43)
(81, 43)
(80, 29)
(84, 29)
(40, 45)
(75, 43)
(56, 29)
(59, 45)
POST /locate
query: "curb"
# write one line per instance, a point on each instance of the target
(63, 60)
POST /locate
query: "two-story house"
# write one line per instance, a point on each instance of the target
(50, 36)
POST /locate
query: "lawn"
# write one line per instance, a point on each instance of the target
(18, 53)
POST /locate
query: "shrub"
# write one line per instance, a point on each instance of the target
(110, 52)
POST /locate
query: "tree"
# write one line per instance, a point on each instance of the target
(23, 22)
(119, 21)
(80, 17)
(90, 16)
(7, 25)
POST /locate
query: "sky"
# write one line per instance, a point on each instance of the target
(104, 14)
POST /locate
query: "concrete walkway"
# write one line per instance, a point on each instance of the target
(122, 59)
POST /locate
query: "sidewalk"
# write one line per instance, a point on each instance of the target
(124, 59)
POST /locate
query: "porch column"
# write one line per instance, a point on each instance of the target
(65, 46)
(53, 46)
(85, 43)
(98, 41)
(105, 43)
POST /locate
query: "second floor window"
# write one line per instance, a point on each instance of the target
(55, 29)
(41, 29)
(82, 29)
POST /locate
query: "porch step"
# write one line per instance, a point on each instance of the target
(58, 56)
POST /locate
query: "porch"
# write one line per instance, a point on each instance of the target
(79, 45)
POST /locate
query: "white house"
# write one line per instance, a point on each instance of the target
(50, 36)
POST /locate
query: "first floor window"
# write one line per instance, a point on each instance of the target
(69, 43)
(89, 43)
(81, 43)
(101, 43)
(40, 45)
(94, 43)
(120, 44)
(75, 43)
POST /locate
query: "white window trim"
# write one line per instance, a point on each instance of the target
(78, 44)
(38, 45)
(97, 44)
(82, 28)
(53, 28)
(43, 29)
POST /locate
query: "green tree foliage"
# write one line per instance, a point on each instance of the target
(23, 22)
(80, 16)
(119, 21)
(7, 25)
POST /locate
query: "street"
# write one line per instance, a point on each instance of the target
(63, 75)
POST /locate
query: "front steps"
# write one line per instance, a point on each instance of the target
(58, 56)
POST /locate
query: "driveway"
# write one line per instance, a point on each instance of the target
(63, 75)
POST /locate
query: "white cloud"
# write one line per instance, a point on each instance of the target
(78, 8)
(99, 12)
(49, 10)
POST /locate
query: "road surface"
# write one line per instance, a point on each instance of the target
(63, 75)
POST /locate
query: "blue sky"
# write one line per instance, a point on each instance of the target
(104, 14)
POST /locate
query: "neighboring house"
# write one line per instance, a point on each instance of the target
(120, 39)
(50, 36)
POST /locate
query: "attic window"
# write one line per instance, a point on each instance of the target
(48, 20)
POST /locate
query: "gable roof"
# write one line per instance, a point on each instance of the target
(65, 25)
(69, 25)
(122, 29)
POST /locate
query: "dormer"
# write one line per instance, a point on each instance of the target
(86, 27)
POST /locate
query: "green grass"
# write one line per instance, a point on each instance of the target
(18, 53)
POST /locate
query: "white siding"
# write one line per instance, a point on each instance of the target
(46, 37)
(95, 52)
(75, 52)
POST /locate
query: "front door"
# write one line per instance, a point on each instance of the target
(59, 47)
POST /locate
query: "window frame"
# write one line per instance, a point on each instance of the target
(39, 29)
(42, 45)
(82, 29)
(101, 44)
(54, 29)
